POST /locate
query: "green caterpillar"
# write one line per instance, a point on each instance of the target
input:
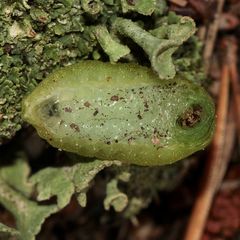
(121, 112)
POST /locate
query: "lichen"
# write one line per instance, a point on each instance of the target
(15, 195)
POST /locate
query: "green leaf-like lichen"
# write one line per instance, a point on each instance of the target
(115, 197)
(17, 176)
(63, 182)
(159, 46)
(141, 6)
(7, 232)
(54, 182)
(112, 48)
(141, 185)
(14, 193)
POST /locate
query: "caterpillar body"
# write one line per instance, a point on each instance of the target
(121, 112)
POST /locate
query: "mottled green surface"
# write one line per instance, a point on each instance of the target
(121, 112)
(15, 192)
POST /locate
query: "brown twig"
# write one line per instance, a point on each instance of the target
(201, 32)
(215, 166)
(212, 34)
(230, 185)
(202, 8)
(230, 136)
(235, 80)
(181, 3)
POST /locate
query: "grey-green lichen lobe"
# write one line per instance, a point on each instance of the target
(121, 112)
(29, 48)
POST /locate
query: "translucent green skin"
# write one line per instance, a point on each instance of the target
(120, 112)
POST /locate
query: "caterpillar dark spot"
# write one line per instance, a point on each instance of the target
(191, 116)
(135, 117)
